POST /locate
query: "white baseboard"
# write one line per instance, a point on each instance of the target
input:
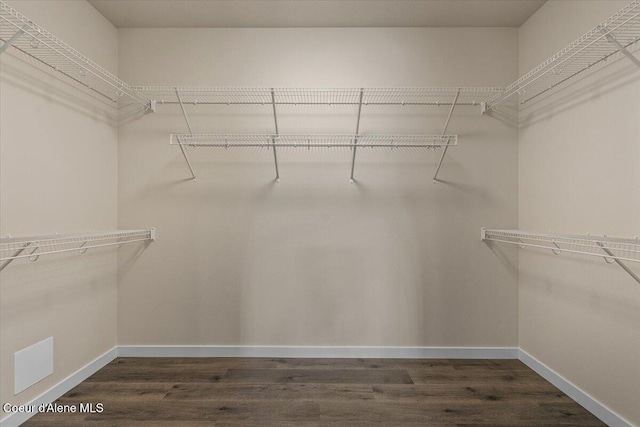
(321, 352)
(15, 419)
(592, 405)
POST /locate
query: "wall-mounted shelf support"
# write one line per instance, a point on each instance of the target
(12, 40)
(355, 140)
(186, 119)
(611, 39)
(186, 158)
(619, 262)
(184, 112)
(444, 132)
(14, 255)
(275, 121)
(615, 249)
(13, 248)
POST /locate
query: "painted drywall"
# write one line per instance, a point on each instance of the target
(580, 173)
(391, 260)
(58, 173)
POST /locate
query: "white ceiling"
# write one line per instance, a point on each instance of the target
(317, 13)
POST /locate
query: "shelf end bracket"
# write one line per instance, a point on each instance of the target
(186, 119)
(273, 140)
(12, 40)
(15, 254)
(611, 39)
(186, 158)
(444, 132)
(620, 263)
(355, 139)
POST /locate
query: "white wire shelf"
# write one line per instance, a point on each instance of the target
(313, 141)
(18, 32)
(211, 95)
(34, 247)
(604, 247)
(273, 142)
(617, 35)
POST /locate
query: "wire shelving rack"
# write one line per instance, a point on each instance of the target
(18, 32)
(277, 97)
(611, 249)
(190, 142)
(313, 141)
(416, 96)
(33, 247)
(615, 36)
(621, 249)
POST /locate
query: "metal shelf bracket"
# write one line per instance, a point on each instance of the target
(273, 141)
(12, 40)
(611, 39)
(184, 151)
(444, 132)
(355, 140)
(619, 262)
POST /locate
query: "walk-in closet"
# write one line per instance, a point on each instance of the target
(319, 212)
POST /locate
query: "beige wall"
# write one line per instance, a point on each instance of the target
(390, 261)
(58, 172)
(579, 173)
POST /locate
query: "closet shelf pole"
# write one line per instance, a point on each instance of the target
(184, 153)
(444, 132)
(611, 39)
(620, 263)
(275, 158)
(184, 112)
(273, 140)
(186, 119)
(13, 39)
(355, 140)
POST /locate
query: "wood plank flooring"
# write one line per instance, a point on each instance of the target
(192, 392)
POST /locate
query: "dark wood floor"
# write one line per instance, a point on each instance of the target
(321, 392)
